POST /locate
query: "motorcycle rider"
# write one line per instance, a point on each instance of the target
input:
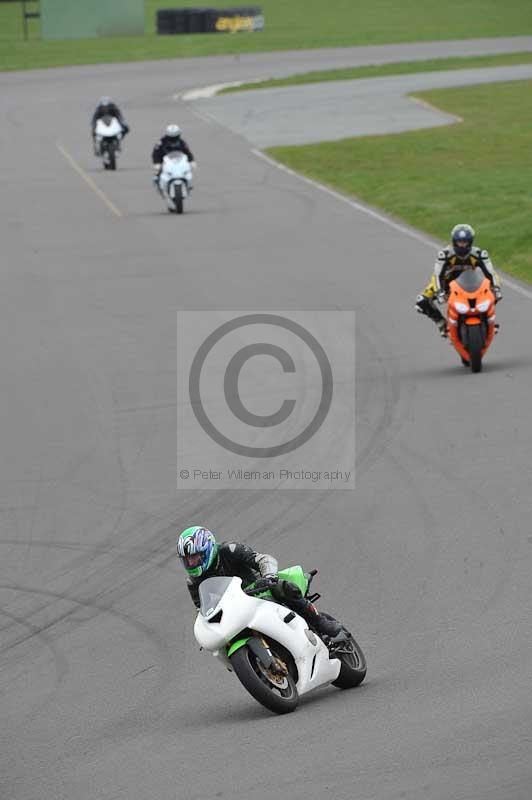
(203, 557)
(454, 258)
(171, 141)
(106, 107)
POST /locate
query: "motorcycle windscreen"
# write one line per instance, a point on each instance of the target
(176, 155)
(470, 280)
(211, 592)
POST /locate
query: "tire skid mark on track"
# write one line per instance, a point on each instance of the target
(94, 609)
(384, 394)
(60, 660)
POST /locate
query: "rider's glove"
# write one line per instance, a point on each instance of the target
(497, 292)
(266, 582)
(441, 298)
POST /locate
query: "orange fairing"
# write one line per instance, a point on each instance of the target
(471, 300)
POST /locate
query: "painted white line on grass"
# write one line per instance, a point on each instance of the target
(370, 212)
(204, 92)
(88, 180)
(430, 107)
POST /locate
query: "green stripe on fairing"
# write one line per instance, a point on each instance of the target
(295, 575)
(237, 645)
(292, 574)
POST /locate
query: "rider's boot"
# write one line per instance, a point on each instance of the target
(441, 324)
(425, 306)
(323, 624)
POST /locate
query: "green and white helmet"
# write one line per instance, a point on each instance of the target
(197, 549)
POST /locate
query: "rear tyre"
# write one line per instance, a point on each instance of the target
(276, 693)
(475, 343)
(353, 661)
(112, 159)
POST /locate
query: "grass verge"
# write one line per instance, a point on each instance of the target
(379, 70)
(478, 171)
(290, 24)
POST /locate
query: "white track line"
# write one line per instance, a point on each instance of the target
(370, 212)
(426, 104)
(206, 92)
(88, 180)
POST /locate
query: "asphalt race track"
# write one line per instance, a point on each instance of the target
(103, 691)
(339, 109)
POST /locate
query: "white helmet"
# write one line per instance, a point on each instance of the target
(173, 130)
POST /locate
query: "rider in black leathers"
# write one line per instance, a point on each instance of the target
(171, 141)
(236, 559)
(106, 108)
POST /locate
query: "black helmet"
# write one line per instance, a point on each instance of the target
(462, 237)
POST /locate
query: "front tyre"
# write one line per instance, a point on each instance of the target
(275, 692)
(178, 199)
(353, 661)
(475, 343)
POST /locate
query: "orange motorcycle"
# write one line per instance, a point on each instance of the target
(471, 316)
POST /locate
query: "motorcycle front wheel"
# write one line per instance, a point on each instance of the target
(475, 343)
(278, 693)
(178, 199)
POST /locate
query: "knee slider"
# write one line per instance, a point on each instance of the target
(423, 305)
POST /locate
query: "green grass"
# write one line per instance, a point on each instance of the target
(290, 24)
(378, 70)
(479, 170)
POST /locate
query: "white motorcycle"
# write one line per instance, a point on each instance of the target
(175, 180)
(108, 134)
(271, 649)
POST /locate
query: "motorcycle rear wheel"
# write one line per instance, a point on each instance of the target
(354, 667)
(254, 678)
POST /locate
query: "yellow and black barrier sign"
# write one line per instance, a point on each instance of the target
(237, 23)
(237, 19)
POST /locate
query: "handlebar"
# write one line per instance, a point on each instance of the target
(261, 589)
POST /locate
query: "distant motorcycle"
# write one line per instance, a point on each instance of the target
(271, 649)
(108, 134)
(175, 180)
(471, 316)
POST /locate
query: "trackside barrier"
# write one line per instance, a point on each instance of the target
(237, 19)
